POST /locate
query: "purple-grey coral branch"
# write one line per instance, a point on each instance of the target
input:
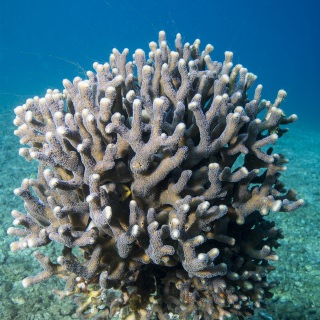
(161, 170)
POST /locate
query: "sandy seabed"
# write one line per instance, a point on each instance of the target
(297, 297)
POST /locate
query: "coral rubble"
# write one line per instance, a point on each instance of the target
(161, 171)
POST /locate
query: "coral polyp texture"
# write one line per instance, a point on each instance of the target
(161, 170)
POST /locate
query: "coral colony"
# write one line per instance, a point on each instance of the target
(161, 172)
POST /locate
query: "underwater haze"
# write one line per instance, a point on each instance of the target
(44, 42)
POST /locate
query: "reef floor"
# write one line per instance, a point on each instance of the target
(297, 297)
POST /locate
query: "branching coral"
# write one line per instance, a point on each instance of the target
(161, 171)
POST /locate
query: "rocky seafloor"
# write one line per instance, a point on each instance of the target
(297, 297)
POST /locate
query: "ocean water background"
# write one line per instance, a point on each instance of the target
(43, 42)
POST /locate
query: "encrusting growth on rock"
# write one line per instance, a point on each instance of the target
(161, 171)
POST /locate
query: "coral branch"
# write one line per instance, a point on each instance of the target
(161, 171)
